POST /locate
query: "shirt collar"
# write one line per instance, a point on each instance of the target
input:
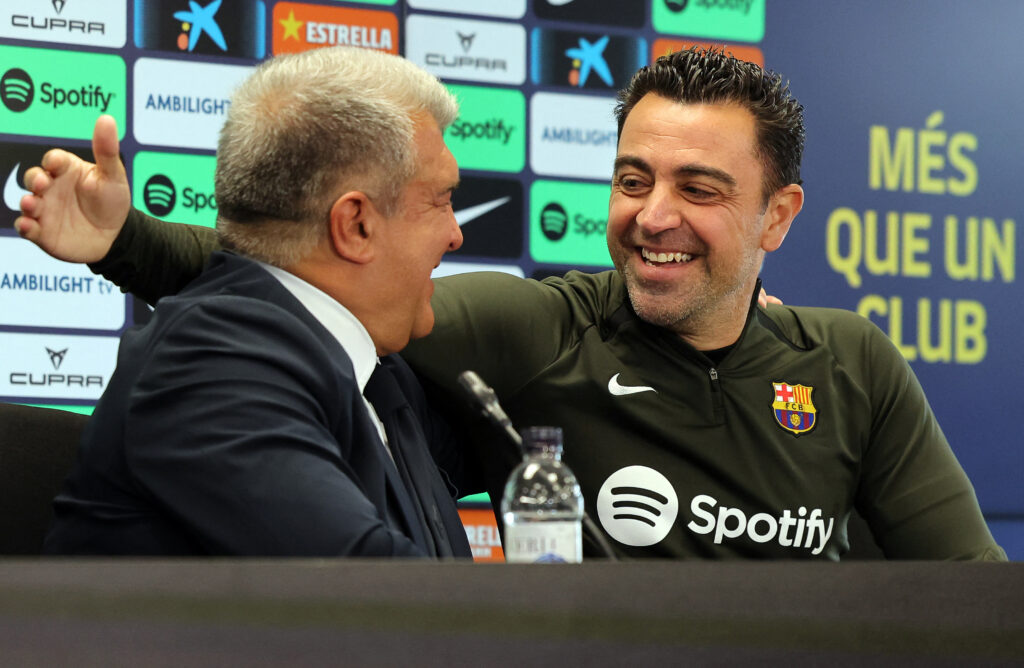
(338, 320)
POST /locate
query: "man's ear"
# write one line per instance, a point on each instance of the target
(353, 225)
(782, 209)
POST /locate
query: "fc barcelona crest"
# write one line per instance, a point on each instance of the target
(793, 409)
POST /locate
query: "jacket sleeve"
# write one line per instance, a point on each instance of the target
(236, 431)
(913, 493)
(152, 258)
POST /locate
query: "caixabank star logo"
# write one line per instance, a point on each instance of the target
(208, 27)
(585, 60)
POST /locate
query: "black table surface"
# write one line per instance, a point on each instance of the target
(367, 613)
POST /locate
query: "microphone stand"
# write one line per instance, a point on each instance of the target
(481, 395)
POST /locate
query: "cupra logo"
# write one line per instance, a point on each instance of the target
(56, 357)
(196, 22)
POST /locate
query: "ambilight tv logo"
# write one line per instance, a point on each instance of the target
(17, 89)
(159, 195)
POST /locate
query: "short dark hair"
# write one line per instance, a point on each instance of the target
(710, 76)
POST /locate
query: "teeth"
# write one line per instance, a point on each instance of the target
(665, 257)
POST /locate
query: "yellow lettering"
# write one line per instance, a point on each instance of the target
(928, 160)
(914, 245)
(969, 268)
(888, 167)
(890, 264)
(996, 249)
(943, 351)
(893, 308)
(846, 265)
(960, 142)
(971, 342)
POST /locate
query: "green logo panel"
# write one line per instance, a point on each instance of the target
(490, 132)
(567, 223)
(715, 19)
(59, 93)
(175, 186)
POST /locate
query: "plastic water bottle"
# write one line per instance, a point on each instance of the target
(542, 506)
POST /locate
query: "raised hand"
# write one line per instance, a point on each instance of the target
(76, 208)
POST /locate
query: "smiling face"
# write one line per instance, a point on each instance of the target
(415, 238)
(687, 225)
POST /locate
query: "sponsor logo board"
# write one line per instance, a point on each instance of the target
(663, 46)
(572, 135)
(15, 160)
(490, 213)
(447, 268)
(567, 223)
(585, 60)
(59, 93)
(86, 22)
(39, 291)
(301, 27)
(490, 132)
(506, 9)
(713, 19)
(182, 104)
(205, 27)
(608, 12)
(175, 186)
(467, 50)
(55, 366)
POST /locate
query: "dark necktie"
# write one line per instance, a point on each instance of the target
(411, 454)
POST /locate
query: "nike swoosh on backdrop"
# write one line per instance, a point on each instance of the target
(464, 216)
(12, 191)
(620, 390)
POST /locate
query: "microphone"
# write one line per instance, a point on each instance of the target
(481, 395)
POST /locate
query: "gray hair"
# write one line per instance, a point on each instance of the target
(305, 128)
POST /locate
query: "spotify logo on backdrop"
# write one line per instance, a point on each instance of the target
(16, 89)
(554, 221)
(159, 195)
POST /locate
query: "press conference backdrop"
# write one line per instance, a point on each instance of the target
(912, 167)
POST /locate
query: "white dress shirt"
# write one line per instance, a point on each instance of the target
(345, 328)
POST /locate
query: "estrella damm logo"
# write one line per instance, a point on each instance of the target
(59, 93)
(207, 27)
(301, 27)
(792, 406)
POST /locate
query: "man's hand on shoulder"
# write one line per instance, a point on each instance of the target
(76, 208)
(763, 299)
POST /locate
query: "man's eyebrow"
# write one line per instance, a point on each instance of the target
(704, 170)
(694, 169)
(631, 161)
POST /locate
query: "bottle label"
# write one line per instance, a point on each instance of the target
(544, 542)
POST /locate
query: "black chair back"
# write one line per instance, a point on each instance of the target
(37, 450)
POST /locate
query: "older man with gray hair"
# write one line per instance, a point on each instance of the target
(261, 411)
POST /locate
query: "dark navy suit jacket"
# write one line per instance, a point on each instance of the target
(233, 425)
